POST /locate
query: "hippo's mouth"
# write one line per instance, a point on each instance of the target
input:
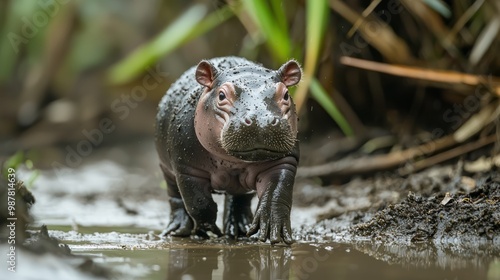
(256, 143)
(258, 154)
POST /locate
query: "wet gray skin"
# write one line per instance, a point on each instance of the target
(229, 125)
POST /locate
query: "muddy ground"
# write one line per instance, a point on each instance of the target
(436, 204)
(443, 215)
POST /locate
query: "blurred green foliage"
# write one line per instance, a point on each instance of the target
(271, 21)
(15, 21)
(15, 162)
(272, 27)
(86, 52)
(191, 24)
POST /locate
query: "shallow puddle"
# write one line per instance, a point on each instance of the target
(143, 256)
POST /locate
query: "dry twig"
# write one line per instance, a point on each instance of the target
(441, 76)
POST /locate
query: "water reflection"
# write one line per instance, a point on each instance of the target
(322, 261)
(246, 262)
(454, 256)
(137, 257)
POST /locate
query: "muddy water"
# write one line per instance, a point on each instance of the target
(112, 207)
(144, 256)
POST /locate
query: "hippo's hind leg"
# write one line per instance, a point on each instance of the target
(197, 196)
(237, 214)
(180, 223)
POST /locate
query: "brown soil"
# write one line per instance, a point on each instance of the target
(439, 216)
(440, 204)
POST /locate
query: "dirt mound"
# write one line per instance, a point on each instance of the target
(441, 216)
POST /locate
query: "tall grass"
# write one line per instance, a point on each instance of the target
(273, 26)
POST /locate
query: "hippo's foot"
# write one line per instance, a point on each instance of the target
(181, 223)
(202, 230)
(237, 215)
(272, 221)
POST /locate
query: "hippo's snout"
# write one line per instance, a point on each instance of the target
(258, 137)
(261, 121)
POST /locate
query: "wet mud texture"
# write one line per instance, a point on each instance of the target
(441, 204)
(420, 218)
(34, 244)
(441, 216)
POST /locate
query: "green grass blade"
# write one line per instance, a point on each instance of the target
(13, 39)
(280, 15)
(211, 21)
(13, 161)
(190, 25)
(319, 93)
(316, 20)
(277, 40)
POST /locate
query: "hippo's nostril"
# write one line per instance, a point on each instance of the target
(275, 121)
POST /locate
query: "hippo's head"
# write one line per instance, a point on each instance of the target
(246, 112)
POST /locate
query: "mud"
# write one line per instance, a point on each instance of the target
(442, 222)
(473, 215)
(439, 204)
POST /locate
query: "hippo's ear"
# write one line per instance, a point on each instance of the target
(290, 73)
(205, 73)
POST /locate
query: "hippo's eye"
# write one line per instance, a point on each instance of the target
(286, 96)
(222, 95)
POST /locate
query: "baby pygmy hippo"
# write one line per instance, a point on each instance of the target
(229, 125)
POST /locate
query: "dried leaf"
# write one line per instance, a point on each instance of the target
(447, 198)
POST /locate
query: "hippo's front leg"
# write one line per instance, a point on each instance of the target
(199, 203)
(272, 218)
